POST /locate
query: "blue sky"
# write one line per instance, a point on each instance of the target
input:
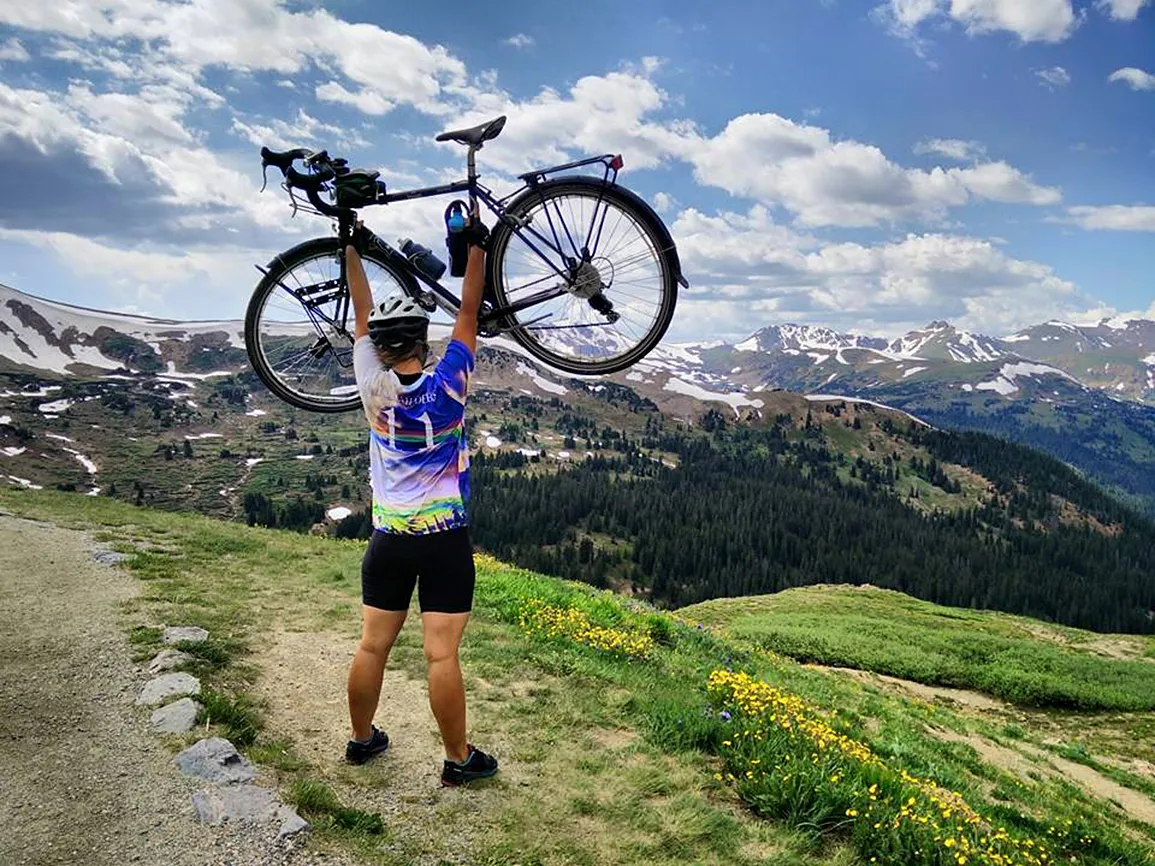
(865, 165)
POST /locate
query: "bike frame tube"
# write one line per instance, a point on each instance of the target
(443, 297)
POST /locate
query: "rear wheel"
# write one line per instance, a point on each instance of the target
(299, 325)
(612, 262)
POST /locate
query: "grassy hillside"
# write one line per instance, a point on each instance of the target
(1021, 660)
(626, 735)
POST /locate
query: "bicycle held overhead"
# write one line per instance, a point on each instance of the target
(581, 271)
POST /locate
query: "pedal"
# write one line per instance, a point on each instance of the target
(425, 300)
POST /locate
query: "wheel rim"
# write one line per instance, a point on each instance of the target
(304, 349)
(627, 260)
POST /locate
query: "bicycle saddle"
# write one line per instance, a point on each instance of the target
(475, 135)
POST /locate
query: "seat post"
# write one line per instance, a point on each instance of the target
(471, 165)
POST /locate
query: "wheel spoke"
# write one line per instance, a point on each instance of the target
(300, 346)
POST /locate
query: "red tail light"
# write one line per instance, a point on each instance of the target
(616, 163)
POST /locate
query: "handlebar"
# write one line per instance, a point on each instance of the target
(310, 184)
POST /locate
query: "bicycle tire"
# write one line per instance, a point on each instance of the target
(644, 216)
(276, 270)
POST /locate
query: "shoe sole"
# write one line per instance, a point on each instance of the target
(445, 783)
(365, 760)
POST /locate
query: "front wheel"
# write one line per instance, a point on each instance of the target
(299, 325)
(608, 260)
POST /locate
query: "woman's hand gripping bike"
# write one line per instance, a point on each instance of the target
(581, 272)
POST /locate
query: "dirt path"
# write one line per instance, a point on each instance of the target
(1030, 759)
(303, 688)
(964, 697)
(81, 779)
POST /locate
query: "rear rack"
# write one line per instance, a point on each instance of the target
(613, 163)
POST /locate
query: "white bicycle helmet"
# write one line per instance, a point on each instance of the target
(398, 322)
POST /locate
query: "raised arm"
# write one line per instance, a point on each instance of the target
(472, 286)
(360, 292)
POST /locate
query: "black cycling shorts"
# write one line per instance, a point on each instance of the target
(442, 560)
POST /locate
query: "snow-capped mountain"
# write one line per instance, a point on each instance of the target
(941, 341)
(67, 340)
(1084, 393)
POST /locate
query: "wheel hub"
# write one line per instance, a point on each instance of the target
(587, 281)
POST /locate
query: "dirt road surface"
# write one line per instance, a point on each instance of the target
(82, 781)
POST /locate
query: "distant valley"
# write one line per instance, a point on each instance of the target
(690, 476)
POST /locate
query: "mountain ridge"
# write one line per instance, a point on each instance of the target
(1083, 393)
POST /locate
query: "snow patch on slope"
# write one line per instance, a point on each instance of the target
(544, 384)
(825, 398)
(734, 399)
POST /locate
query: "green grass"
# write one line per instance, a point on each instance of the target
(320, 803)
(608, 759)
(1022, 661)
(236, 715)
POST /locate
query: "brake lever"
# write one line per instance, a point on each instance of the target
(264, 175)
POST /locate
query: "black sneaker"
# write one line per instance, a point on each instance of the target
(359, 753)
(477, 766)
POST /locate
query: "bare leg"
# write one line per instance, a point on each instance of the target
(379, 630)
(446, 689)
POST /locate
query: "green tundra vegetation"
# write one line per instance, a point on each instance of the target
(630, 735)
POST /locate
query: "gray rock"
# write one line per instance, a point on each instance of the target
(215, 759)
(176, 718)
(167, 659)
(235, 803)
(247, 803)
(291, 824)
(109, 557)
(167, 686)
(178, 633)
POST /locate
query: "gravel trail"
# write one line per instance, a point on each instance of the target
(82, 781)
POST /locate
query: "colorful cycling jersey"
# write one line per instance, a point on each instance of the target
(418, 454)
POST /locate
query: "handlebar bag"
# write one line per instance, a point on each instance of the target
(359, 188)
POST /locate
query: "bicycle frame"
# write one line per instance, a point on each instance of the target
(313, 297)
(450, 303)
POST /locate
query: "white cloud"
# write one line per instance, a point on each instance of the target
(383, 68)
(1053, 77)
(1122, 10)
(846, 183)
(520, 40)
(1029, 20)
(997, 181)
(745, 262)
(305, 129)
(951, 148)
(13, 50)
(144, 276)
(366, 100)
(664, 202)
(1136, 78)
(600, 114)
(1115, 217)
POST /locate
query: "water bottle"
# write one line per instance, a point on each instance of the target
(422, 258)
(455, 240)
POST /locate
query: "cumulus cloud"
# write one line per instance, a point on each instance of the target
(14, 50)
(1115, 217)
(1053, 77)
(747, 262)
(1122, 10)
(846, 183)
(303, 130)
(381, 68)
(663, 202)
(144, 181)
(1029, 20)
(951, 148)
(1137, 79)
(520, 40)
